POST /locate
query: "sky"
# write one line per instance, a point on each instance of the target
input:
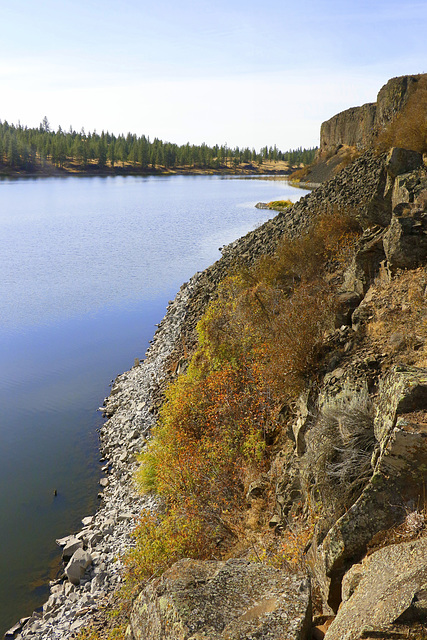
(240, 72)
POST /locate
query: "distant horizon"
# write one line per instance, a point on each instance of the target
(239, 74)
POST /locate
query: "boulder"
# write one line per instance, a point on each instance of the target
(402, 161)
(215, 600)
(71, 546)
(365, 264)
(405, 241)
(77, 566)
(388, 588)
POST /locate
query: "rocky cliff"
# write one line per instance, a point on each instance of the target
(358, 126)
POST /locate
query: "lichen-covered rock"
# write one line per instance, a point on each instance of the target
(385, 589)
(402, 391)
(234, 600)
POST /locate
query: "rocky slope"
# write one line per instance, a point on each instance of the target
(359, 447)
(359, 437)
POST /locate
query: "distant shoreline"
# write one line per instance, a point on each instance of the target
(52, 171)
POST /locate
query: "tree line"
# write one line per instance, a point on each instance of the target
(30, 148)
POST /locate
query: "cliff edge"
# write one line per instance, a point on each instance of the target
(397, 118)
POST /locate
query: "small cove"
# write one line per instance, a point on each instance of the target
(87, 268)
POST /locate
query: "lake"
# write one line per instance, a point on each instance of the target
(87, 267)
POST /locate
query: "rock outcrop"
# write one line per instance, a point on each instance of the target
(357, 127)
(234, 600)
(383, 594)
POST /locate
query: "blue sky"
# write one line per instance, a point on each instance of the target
(238, 72)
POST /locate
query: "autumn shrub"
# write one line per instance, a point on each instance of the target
(259, 344)
(289, 550)
(279, 204)
(209, 427)
(294, 336)
(327, 245)
(162, 539)
(300, 174)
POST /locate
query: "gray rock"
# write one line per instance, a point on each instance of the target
(236, 600)
(365, 264)
(72, 545)
(388, 588)
(77, 566)
(405, 241)
(403, 161)
(398, 477)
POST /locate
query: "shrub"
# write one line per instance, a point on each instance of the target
(279, 204)
(337, 463)
(161, 540)
(326, 246)
(258, 345)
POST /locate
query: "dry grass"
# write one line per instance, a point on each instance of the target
(337, 463)
(300, 174)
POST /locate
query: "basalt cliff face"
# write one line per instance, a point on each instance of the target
(358, 126)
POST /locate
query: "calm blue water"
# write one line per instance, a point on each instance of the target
(87, 266)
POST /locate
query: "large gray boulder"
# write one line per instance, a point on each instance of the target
(211, 600)
(388, 588)
(77, 566)
(402, 161)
